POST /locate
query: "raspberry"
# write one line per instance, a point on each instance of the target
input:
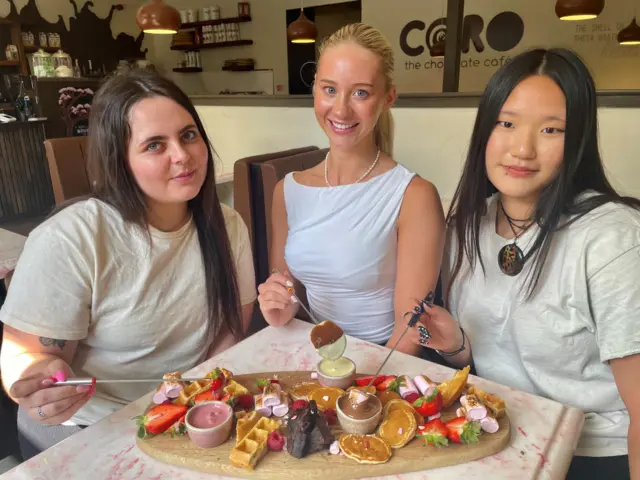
(245, 401)
(299, 404)
(275, 442)
(331, 416)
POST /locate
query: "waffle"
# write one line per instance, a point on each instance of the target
(235, 389)
(365, 448)
(398, 428)
(452, 388)
(191, 390)
(254, 445)
(245, 424)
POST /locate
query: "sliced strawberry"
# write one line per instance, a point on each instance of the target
(159, 419)
(229, 399)
(263, 382)
(245, 401)
(461, 430)
(364, 381)
(390, 383)
(207, 396)
(218, 378)
(428, 407)
(412, 397)
(433, 433)
(299, 404)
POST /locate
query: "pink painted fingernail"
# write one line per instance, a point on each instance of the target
(92, 390)
(60, 376)
(47, 382)
(294, 299)
(83, 388)
(289, 283)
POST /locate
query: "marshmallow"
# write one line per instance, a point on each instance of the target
(475, 410)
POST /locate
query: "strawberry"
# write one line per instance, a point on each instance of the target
(390, 383)
(179, 428)
(428, 407)
(275, 441)
(229, 399)
(245, 401)
(207, 396)
(461, 430)
(331, 416)
(218, 378)
(159, 419)
(364, 381)
(434, 433)
(299, 404)
(263, 382)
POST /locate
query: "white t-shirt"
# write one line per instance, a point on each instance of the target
(558, 344)
(137, 309)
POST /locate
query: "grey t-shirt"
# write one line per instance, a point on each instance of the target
(585, 313)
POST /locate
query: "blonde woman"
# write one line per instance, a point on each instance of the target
(362, 233)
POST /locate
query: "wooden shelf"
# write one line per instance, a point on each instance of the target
(219, 21)
(35, 48)
(188, 69)
(9, 63)
(203, 46)
(239, 69)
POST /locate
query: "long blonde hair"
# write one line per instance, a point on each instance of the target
(371, 39)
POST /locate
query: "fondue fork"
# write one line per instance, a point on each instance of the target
(417, 313)
(293, 293)
(94, 380)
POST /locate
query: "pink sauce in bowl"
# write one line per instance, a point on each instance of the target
(209, 423)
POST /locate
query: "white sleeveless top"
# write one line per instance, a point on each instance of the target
(342, 245)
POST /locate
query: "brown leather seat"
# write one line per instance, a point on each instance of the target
(67, 167)
(254, 180)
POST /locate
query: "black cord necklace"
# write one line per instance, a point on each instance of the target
(511, 259)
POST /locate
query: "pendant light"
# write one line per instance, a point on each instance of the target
(579, 9)
(302, 30)
(630, 35)
(158, 17)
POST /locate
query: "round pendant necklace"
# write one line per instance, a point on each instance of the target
(511, 259)
(326, 169)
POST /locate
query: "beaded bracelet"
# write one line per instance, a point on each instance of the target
(455, 352)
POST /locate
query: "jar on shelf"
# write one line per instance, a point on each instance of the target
(214, 12)
(62, 59)
(43, 39)
(43, 64)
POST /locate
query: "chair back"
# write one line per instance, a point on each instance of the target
(67, 158)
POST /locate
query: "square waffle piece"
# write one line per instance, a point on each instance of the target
(245, 424)
(191, 390)
(254, 445)
(235, 389)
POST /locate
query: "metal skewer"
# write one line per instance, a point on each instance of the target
(93, 380)
(293, 293)
(417, 313)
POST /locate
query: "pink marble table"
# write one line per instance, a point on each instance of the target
(11, 245)
(544, 436)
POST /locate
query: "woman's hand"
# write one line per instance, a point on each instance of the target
(443, 328)
(48, 404)
(276, 300)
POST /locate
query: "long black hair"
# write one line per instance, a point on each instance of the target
(581, 169)
(113, 183)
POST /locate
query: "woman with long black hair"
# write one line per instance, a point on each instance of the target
(542, 268)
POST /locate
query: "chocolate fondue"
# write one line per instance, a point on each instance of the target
(325, 333)
(359, 405)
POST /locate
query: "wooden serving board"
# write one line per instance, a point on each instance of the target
(180, 451)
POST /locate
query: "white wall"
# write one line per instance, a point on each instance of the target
(430, 141)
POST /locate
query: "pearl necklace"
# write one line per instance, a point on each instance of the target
(326, 169)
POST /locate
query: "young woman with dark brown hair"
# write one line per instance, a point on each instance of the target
(148, 274)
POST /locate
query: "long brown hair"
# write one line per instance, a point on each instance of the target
(114, 184)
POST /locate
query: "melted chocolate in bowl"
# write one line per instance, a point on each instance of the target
(325, 333)
(361, 411)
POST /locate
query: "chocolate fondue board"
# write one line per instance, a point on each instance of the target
(331, 423)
